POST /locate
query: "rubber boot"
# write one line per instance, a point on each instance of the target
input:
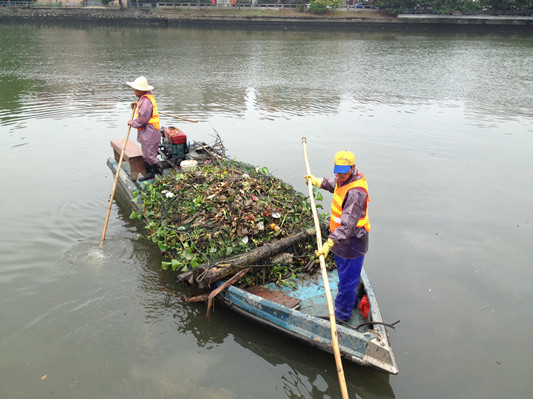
(157, 169)
(150, 174)
(360, 293)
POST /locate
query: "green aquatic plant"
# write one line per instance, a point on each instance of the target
(220, 209)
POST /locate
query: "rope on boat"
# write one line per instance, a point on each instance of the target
(366, 323)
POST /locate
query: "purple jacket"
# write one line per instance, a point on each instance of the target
(148, 133)
(350, 241)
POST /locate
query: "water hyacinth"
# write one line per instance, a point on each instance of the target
(219, 209)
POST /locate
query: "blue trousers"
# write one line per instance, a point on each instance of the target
(349, 273)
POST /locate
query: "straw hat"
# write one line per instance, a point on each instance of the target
(140, 84)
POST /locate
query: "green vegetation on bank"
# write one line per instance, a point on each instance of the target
(320, 7)
(393, 7)
(445, 7)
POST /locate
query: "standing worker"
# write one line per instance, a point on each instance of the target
(349, 228)
(148, 127)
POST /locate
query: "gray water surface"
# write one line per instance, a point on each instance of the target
(442, 126)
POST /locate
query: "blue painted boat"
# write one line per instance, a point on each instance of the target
(300, 309)
(359, 342)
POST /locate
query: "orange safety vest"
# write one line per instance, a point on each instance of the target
(154, 120)
(338, 198)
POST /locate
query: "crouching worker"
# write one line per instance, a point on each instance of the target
(349, 228)
(147, 124)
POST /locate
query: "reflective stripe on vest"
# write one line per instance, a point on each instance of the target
(154, 120)
(338, 198)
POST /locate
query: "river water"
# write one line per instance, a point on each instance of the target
(442, 126)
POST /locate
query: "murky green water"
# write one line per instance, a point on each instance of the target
(441, 125)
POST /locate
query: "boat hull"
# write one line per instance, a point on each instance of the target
(365, 346)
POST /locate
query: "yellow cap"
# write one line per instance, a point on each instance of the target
(344, 160)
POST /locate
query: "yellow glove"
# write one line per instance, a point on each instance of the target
(315, 181)
(325, 248)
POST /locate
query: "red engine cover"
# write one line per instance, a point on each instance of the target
(175, 135)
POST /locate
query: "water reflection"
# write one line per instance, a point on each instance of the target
(301, 371)
(211, 72)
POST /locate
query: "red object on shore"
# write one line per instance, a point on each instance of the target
(364, 307)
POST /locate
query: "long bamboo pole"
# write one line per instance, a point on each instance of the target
(178, 117)
(333, 325)
(116, 179)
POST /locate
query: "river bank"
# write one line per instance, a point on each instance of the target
(371, 21)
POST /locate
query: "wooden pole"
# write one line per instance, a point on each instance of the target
(116, 179)
(178, 117)
(334, 337)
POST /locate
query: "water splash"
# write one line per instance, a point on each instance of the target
(97, 255)
(87, 256)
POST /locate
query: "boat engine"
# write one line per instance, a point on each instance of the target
(174, 145)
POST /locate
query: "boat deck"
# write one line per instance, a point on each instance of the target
(311, 293)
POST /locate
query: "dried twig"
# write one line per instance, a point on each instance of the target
(194, 299)
(218, 145)
(214, 293)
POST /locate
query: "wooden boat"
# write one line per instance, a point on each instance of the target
(300, 311)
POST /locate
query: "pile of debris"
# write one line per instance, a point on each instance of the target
(222, 216)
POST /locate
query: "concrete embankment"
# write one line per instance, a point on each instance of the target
(164, 17)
